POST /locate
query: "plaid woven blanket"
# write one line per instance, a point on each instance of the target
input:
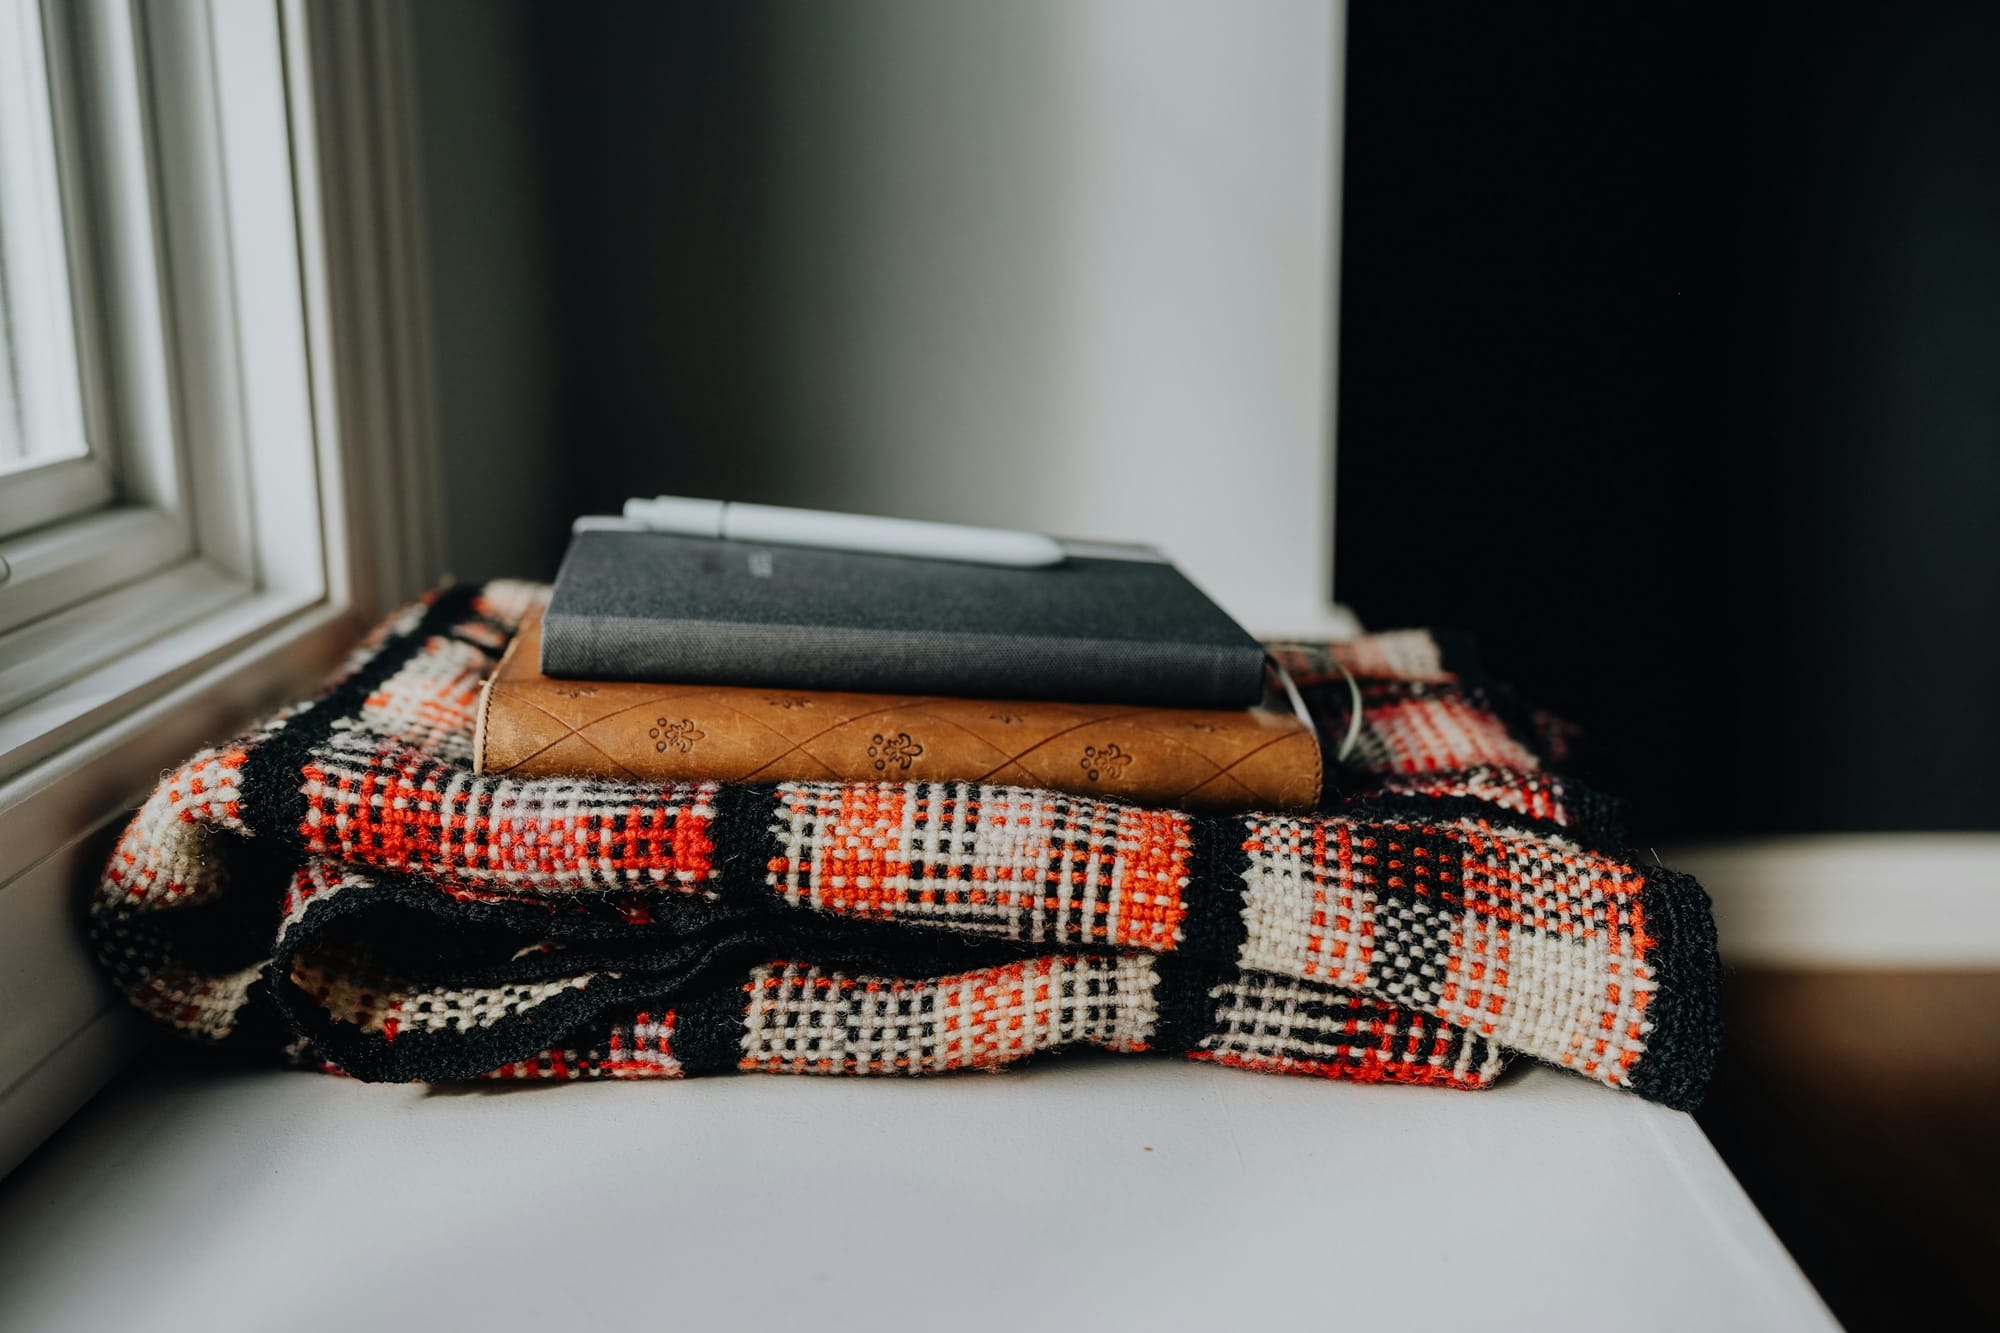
(339, 889)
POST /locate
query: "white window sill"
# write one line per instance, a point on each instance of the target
(82, 667)
(201, 683)
(1093, 1192)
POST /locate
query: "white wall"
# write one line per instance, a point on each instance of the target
(1061, 264)
(1067, 266)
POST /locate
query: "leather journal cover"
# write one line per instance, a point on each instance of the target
(659, 606)
(531, 725)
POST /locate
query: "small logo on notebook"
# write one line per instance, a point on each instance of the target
(681, 735)
(1100, 762)
(897, 750)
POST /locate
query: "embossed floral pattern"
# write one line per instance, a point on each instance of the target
(670, 735)
(894, 750)
(1103, 761)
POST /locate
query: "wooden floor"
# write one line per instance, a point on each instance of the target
(1862, 1113)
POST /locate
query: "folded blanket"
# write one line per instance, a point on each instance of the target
(338, 888)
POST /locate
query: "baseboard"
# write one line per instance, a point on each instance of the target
(1877, 900)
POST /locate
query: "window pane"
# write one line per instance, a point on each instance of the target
(13, 447)
(41, 408)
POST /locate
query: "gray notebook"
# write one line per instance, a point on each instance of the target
(693, 610)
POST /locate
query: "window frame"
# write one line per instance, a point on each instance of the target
(42, 282)
(188, 323)
(268, 239)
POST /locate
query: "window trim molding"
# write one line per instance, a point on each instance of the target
(340, 363)
(132, 180)
(361, 205)
(32, 130)
(109, 192)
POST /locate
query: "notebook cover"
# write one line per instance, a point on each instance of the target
(655, 606)
(531, 725)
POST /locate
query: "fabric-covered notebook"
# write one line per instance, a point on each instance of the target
(657, 607)
(536, 726)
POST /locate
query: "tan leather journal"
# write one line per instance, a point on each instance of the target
(531, 725)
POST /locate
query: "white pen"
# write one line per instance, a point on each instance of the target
(774, 525)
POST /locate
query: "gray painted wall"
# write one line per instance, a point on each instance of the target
(1059, 265)
(491, 267)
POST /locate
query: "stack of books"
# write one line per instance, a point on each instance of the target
(664, 656)
(791, 814)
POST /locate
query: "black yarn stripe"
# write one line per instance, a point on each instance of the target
(1186, 1008)
(744, 831)
(274, 799)
(1212, 934)
(709, 1030)
(1687, 1026)
(1214, 928)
